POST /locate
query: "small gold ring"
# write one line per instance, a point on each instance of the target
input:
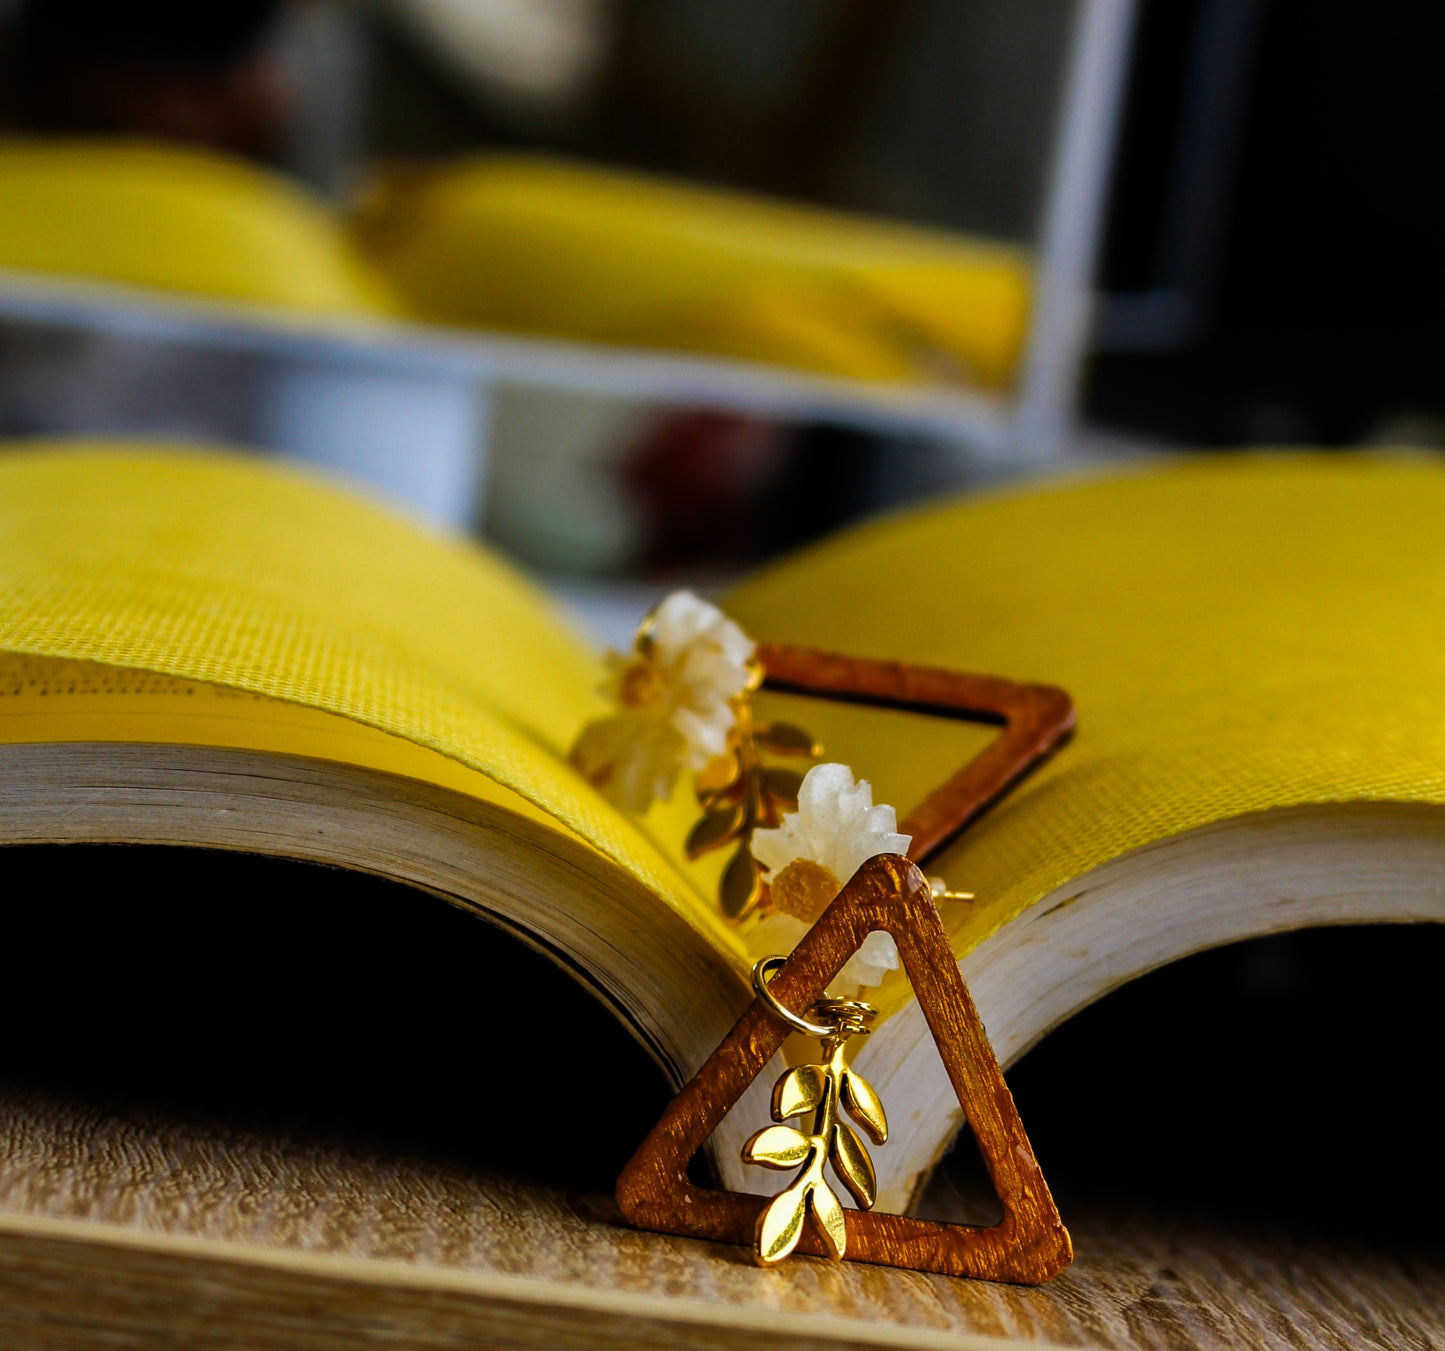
(850, 1016)
(762, 969)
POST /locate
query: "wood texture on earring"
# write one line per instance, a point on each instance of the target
(1035, 720)
(1030, 1245)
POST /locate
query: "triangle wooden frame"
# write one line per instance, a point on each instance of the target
(1036, 719)
(1029, 1245)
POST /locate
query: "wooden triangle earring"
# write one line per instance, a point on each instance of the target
(1029, 1245)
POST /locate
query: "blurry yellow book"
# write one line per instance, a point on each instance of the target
(198, 649)
(528, 246)
(600, 255)
(178, 221)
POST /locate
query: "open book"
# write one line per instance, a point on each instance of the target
(207, 650)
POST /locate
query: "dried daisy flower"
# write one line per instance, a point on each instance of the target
(674, 694)
(810, 856)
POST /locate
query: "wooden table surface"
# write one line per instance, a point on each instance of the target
(129, 1230)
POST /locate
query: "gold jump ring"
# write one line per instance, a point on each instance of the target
(762, 969)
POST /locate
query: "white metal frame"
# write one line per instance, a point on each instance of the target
(1042, 423)
(343, 392)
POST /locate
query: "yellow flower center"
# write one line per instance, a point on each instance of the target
(644, 685)
(803, 889)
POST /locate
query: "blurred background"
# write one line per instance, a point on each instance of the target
(639, 289)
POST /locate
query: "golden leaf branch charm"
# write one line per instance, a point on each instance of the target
(739, 792)
(824, 1092)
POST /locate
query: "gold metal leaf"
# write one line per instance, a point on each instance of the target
(865, 1106)
(854, 1166)
(742, 884)
(782, 738)
(777, 1147)
(719, 773)
(799, 1090)
(781, 1225)
(782, 786)
(731, 795)
(829, 1211)
(715, 829)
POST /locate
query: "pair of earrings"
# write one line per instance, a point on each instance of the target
(684, 699)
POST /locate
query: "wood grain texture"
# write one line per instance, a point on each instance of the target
(134, 1230)
(1029, 1245)
(1035, 719)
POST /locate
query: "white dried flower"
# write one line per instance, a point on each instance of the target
(675, 697)
(810, 857)
(706, 659)
(835, 830)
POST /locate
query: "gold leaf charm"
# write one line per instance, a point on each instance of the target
(742, 884)
(716, 777)
(864, 1106)
(826, 1090)
(782, 738)
(852, 1164)
(719, 826)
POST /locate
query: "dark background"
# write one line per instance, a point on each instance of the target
(1305, 228)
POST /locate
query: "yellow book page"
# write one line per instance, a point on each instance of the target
(44, 701)
(239, 573)
(1239, 634)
